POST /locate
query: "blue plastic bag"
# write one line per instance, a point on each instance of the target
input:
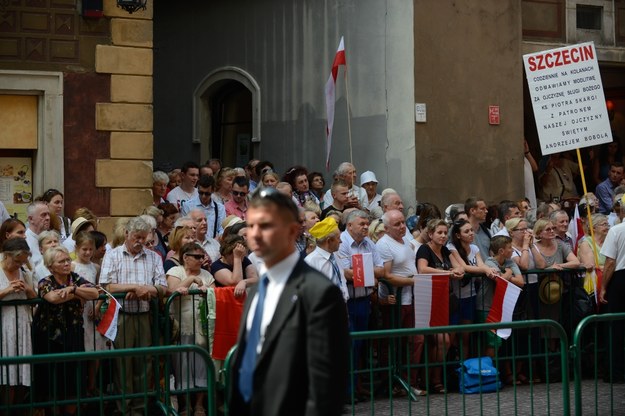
(478, 375)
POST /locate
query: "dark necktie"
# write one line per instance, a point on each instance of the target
(248, 362)
(336, 274)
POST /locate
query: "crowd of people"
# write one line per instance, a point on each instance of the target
(194, 237)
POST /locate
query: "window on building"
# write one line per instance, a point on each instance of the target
(589, 17)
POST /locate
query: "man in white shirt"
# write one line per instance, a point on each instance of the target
(189, 175)
(357, 196)
(214, 211)
(612, 299)
(399, 270)
(38, 221)
(210, 245)
(322, 258)
(293, 345)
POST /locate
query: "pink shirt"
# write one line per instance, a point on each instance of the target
(232, 208)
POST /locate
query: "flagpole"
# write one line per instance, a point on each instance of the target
(349, 123)
(588, 215)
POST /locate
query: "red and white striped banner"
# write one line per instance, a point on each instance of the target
(504, 301)
(431, 300)
(330, 90)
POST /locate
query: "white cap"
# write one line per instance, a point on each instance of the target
(367, 177)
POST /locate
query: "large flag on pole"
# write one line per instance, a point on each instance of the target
(108, 324)
(431, 300)
(339, 59)
(504, 301)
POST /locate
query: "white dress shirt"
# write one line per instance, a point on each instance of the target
(320, 259)
(278, 275)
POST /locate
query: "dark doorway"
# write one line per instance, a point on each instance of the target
(231, 127)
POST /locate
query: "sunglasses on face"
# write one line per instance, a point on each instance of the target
(195, 256)
(237, 193)
(204, 193)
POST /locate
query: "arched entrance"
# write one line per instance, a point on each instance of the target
(226, 112)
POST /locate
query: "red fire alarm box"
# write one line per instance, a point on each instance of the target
(493, 115)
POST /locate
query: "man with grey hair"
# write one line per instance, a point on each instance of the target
(560, 220)
(138, 272)
(38, 221)
(399, 269)
(357, 195)
(355, 240)
(210, 245)
(391, 201)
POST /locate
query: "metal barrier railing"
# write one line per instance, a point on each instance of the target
(398, 371)
(594, 358)
(153, 396)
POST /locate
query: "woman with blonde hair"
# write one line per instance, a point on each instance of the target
(224, 180)
(587, 248)
(180, 236)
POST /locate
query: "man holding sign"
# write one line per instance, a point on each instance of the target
(362, 266)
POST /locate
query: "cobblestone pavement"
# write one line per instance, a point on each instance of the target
(537, 399)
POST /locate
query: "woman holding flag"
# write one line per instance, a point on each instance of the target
(468, 256)
(587, 248)
(435, 258)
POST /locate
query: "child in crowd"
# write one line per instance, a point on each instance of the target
(85, 268)
(501, 246)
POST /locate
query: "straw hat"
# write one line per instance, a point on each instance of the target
(550, 289)
(78, 224)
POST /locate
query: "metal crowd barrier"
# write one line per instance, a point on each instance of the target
(389, 385)
(152, 399)
(597, 343)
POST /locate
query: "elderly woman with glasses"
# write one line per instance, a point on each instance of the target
(15, 284)
(557, 255)
(189, 370)
(58, 326)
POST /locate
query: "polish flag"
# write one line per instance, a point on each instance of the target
(108, 324)
(339, 59)
(576, 229)
(431, 300)
(504, 300)
(362, 265)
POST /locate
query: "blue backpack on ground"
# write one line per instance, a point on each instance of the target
(478, 375)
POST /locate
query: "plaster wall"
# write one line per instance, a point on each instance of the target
(467, 57)
(288, 48)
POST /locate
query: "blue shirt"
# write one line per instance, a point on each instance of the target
(213, 208)
(605, 193)
(350, 247)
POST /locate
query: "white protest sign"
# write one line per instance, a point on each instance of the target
(567, 97)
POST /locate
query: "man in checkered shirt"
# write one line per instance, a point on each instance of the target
(136, 271)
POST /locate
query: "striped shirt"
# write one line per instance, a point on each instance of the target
(121, 267)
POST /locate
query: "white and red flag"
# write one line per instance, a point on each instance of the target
(431, 300)
(108, 323)
(576, 229)
(362, 265)
(504, 301)
(339, 59)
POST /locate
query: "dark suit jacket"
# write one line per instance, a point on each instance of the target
(303, 366)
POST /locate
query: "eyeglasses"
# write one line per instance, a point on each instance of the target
(550, 229)
(200, 193)
(64, 261)
(237, 193)
(522, 229)
(195, 256)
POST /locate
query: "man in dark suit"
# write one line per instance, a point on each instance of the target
(293, 347)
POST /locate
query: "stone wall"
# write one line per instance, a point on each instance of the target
(128, 114)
